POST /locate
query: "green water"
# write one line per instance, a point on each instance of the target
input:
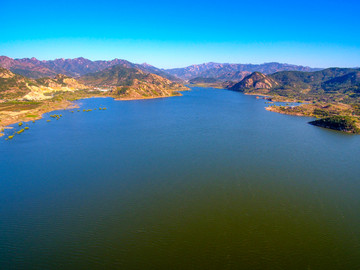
(209, 180)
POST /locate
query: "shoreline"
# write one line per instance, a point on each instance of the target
(23, 116)
(274, 98)
(271, 97)
(273, 109)
(8, 117)
(326, 112)
(130, 98)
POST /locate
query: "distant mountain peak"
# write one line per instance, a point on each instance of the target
(34, 68)
(228, 71)
(146, 65)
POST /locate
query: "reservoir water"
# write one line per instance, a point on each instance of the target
(209, 180)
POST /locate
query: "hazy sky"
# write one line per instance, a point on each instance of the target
(176, 33)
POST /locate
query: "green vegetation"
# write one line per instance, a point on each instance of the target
(122, 90)
(116, 75)
(341, 123)
(20, 131)
(13, 86)
(6, 106)
(17, 102)
(174, 93)
(202, 80)
(356, 108)
(31, 115)
(321, 113)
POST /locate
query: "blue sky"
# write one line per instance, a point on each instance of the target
(180, 33)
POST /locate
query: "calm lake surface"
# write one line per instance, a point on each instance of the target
(209, 180)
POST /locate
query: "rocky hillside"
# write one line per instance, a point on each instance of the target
(14, 86)
(128, 82)
(34, 68)
(231, 72)
(255, 81)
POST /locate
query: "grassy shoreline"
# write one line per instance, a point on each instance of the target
(12, 112)
(8, 118)
(337, 116)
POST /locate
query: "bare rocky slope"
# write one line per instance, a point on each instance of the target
(16, 87)
(127, 82)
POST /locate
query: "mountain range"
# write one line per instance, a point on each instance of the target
(232, 72)
(77, 67)
(34, 68)
(332, 92)
(122, 76)
(119, 81)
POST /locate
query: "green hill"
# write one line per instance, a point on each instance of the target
(328, 85)
(341, 123)
(202, 80)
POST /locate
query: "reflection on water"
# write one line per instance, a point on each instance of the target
(209, 180)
